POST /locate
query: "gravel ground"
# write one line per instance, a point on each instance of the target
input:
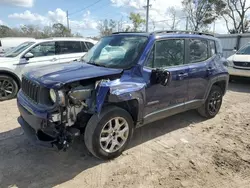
(181, 151)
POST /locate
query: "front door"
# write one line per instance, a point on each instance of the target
(44, 55)
(166, 100)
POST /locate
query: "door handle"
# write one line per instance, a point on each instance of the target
(181, 75)
(210, 69)
(54, 59)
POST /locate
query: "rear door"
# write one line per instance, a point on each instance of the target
(167, 55)
(69, 51)
(201, 66)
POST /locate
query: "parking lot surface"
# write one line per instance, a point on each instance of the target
(181, 151)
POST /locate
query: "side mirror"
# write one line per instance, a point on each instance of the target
(160, 76)
(234, 50)
(28, 56)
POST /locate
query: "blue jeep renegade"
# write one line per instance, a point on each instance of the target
(125, 81)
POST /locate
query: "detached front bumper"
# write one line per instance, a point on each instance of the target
(32, 135)
(33, 124)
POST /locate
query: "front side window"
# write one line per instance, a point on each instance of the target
(68, 47)
(43, 49)
(166, 53)
(198, 50)
(19, 49)
(245, 50)
(117, 51)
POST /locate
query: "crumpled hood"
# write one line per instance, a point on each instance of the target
(55, 76)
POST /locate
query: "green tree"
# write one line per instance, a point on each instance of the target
(5, 31)
(137, 21)
(59, 30)
(202, 12)
(236, 13)
(106, 27)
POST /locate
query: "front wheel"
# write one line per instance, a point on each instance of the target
(213, 103)
(107, 134)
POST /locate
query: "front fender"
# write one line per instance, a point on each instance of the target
(112, 92)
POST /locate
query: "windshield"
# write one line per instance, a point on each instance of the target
(116, 51)
(17, 50)
(245, 50)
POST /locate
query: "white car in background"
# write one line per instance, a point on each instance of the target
(33, 54)
(239, 63)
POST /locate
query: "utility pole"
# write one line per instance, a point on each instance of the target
(67, 20)
(147, 15)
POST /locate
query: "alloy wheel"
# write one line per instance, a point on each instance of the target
(114, 134)
(6, 88)
(214, 102)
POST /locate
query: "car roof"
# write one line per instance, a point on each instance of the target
(66, 39)
(171, 34)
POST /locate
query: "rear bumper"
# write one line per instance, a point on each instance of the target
(238, 72)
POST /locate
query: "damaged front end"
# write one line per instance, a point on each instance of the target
(73, 105)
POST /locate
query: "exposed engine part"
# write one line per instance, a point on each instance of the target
(72, 112)
(78, 94)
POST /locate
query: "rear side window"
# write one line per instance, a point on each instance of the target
(212, 47)
(84, 47)
(198, 50)
(68, 47)
(89, 44)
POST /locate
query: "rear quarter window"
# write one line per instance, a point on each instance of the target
(212, 47)
(218, 47)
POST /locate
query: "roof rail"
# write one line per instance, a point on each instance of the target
(182, 31)
(128, 32)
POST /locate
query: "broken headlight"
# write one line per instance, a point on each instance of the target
(57, 96)
(52, 94)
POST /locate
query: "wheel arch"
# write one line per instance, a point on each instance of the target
(220, 81)
(12, 75)
(131, 106)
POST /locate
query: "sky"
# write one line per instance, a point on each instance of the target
(84, 15)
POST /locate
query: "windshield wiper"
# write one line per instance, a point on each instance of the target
(98, 65)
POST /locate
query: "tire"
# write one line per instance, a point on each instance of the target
(213, 103)
(97, 128)
(7, 83)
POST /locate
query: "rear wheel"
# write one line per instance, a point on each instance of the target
(8, 87)
(108, 134)
(213, 103)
